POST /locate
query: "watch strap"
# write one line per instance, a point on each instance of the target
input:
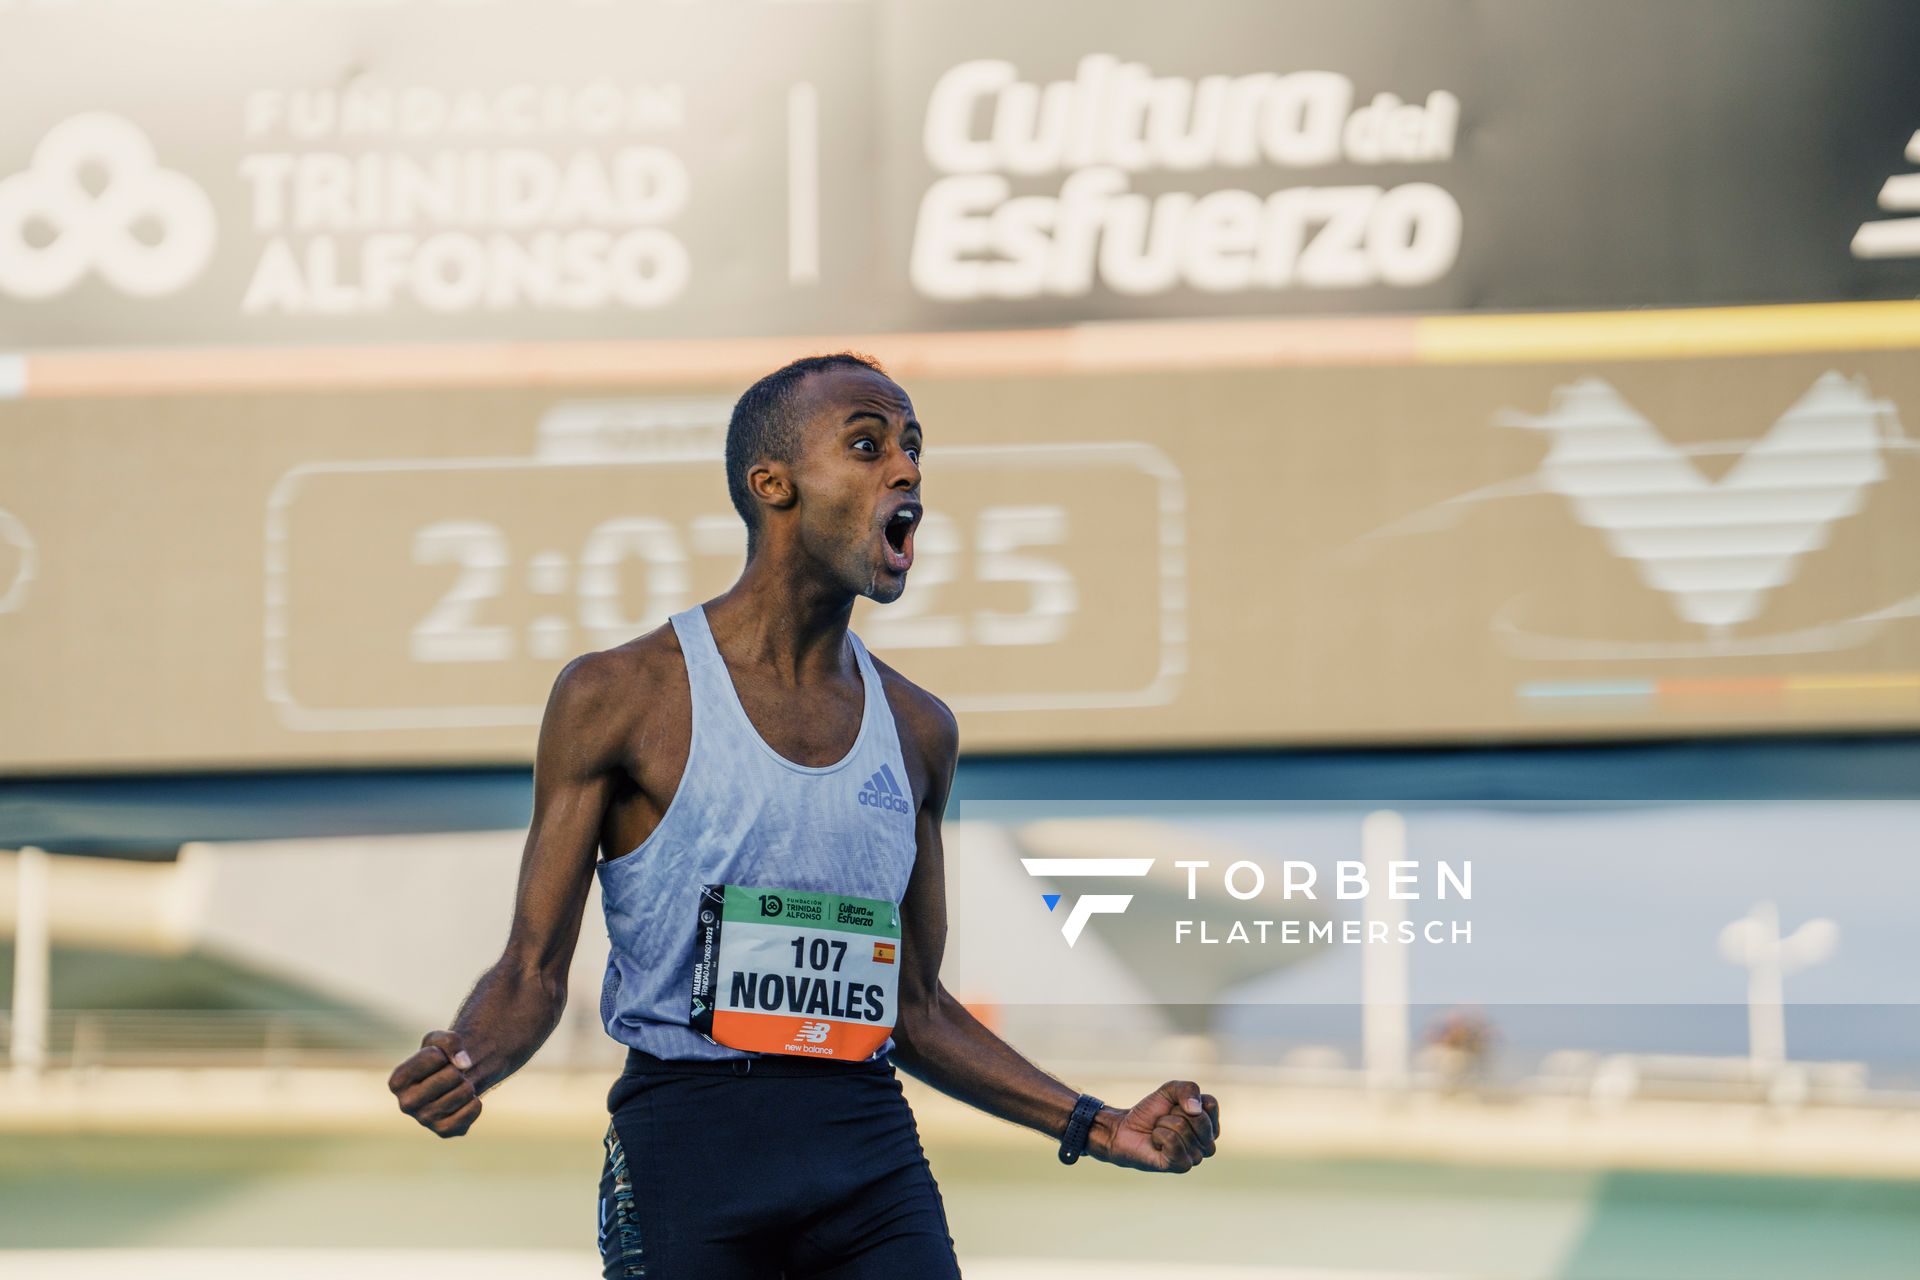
(1073, 1143)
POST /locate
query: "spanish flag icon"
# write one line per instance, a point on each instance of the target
(883, 952)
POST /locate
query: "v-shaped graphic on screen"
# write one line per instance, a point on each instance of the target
(1715, 548)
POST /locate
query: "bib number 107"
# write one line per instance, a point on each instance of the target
(818, 953)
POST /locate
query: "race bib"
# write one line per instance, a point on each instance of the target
(782, 971)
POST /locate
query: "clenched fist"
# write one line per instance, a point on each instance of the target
(433, 1088)
(1170, 1130)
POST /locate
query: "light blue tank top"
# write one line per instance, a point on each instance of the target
(744, 814)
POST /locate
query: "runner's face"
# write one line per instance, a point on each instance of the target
(858, 480)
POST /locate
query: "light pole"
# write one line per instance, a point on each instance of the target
(1755, 942)
(1383, 965)
(27, 1049)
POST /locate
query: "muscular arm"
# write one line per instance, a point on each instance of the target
(939, 1041)
(936, 1038)
(517, 1002)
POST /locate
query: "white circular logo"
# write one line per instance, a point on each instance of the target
(148, 231)
(14, 534)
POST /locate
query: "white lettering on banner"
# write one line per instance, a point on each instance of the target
(976, 238)
(454, 271)
(469, 226)
(1115, 113)
(513, 189)
(598, 108)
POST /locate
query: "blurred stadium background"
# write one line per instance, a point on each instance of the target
(1495, 412)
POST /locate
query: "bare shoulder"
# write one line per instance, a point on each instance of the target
(648, 660)
(922, 718)
(606, 694)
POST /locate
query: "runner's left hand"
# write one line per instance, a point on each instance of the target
(1170, 1130)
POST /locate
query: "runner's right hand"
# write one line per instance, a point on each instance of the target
(433, 1087)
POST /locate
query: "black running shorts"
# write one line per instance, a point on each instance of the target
(767, 1169)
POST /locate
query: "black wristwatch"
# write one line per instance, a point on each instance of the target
(1073, 1143)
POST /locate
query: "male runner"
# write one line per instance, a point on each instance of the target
(769, 799)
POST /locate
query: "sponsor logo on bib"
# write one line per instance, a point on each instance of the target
(783, 970)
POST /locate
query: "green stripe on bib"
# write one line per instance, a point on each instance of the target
(867, 916)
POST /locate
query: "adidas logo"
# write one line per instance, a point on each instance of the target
(883, 792)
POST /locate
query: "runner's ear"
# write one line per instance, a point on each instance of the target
(771, 482)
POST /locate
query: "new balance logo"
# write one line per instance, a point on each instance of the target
(813, 1032)
(883, 792)
(1092, 904)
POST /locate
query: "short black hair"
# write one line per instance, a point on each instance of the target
(766, 425)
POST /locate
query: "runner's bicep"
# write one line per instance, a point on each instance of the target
(923, 915)
(933, 736)
(572, 784)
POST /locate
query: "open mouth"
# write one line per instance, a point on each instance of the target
(899, 536)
